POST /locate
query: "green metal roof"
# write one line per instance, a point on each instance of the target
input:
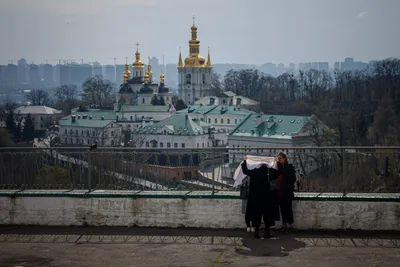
(145, 108)
(96, 114)
(274, 126)
(84, 122)
(214, 110)
(82, 119)
(179, 124)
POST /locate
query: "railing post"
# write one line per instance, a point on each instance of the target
(343, 172)
(213, 172)
(89, 171)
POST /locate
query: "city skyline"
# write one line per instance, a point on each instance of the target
(266, 31)
(123, 62)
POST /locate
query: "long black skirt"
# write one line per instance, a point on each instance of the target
(263, 206)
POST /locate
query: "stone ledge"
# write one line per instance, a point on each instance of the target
(309, 196)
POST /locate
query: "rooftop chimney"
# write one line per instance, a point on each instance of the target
(260, 118)
(102, 118)
(90, 117)
(79, 116)
(73, 118)
(212, 101)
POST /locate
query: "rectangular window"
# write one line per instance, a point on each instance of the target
(209, 120)
(161, 144)
(215, 120)
(183, 145)
(229, 121)
(222, 121)
(175, 145)
(168, 144)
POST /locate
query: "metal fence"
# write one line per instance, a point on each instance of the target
(320, 169)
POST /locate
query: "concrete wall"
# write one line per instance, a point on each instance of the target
(191, 209)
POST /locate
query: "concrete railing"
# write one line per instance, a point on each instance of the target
(203, 209)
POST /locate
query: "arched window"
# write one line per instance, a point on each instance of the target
(188, 79)
(204, 78)
(143, 100)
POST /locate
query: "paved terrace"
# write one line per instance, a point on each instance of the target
(148, 247)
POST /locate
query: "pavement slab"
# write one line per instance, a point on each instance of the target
(154, 247)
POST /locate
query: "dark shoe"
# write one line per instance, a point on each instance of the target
(257, 234)
(268, 236)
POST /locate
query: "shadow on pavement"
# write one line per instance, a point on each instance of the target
(278, 246)
(184, 231)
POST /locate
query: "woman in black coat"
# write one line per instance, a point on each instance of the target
(262, 200)
(286, 181)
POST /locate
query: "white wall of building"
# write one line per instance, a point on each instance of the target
(182, 141)
(110, 135)
(193, 83)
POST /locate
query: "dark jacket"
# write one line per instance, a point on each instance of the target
(288, 180)
(259, 177)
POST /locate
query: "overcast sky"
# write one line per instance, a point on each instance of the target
(237, 31)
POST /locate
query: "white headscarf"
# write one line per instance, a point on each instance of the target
(253, 162)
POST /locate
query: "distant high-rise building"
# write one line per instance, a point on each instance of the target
(268, 68)
(155, 67)
(292, 67)
(48, 77)
(336, 66)
(314, 65)
(2, 74)
(23, 71)
(79, 73)
(171, 74)
(109, 73)
(119, 69)
(97, 69)
(323, 66)
(11, 75)
(34, 76)
(62, 74)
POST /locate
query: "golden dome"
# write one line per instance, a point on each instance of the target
(195, 60)
(127, 73)
(146, 78)
(149, 72)
(162, 78)
(137, 63)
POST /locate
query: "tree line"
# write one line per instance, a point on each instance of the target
(361, 107)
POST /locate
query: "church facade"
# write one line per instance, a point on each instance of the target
(194, 73)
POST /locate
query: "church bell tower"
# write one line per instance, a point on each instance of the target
(194, 73)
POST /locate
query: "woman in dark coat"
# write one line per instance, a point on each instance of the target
(286, 180)
(262, 200)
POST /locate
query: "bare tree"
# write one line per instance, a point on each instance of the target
(39, 98)
(98, 91)
(216, 83)
(67, 92)
(130, 139)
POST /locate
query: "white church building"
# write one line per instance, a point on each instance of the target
(194, 73)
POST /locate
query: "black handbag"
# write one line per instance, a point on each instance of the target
(273, 184)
